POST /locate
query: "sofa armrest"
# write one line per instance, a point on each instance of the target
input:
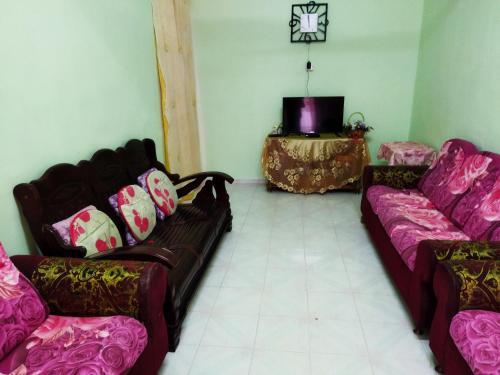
(400, 176)
(218, 180)
(461, 285)
(81, 287)
(430, 252)
(204, 175)
(476, 283)
(57, 247)
(169, 257)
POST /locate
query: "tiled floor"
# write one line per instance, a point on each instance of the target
(297, 288)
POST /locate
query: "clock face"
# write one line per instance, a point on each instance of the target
(309, 22)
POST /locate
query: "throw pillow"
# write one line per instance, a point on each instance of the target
(137, 211)
(62, 227)
(95, 231)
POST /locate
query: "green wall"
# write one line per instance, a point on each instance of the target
(245, 64)
(458, 83)
(75, 76)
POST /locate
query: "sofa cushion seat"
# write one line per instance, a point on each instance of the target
(190, 233)
(476, 334)
(409, 217)
(63, 345)
(191, 227)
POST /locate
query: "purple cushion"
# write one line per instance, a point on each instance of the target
(476, 334)
(66, 345)
(22, 310)
(443, 183)
(408, 218)
(478, 210)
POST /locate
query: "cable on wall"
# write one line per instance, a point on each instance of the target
(308, 68)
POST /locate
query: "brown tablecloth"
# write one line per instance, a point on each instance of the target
(308, 165)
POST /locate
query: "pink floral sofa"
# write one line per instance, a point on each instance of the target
(418, 216)
(465, 332)
(117, 327)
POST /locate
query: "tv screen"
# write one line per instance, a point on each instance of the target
(309, 115)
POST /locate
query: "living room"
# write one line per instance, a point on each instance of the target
(316, 279)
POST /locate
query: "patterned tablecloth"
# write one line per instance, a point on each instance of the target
(406, 153)
(308, 165)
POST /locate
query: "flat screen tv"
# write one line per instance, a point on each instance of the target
(313, 115)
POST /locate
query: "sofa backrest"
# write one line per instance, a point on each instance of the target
(140, 156)
(22, 310)
(437, 183)
(470, 211)
(107, 175)
(62, 191)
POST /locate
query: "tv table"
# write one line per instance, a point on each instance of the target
(314, 165)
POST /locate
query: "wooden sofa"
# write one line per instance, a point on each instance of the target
(183, 242)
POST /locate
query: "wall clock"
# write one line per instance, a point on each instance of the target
(309, 22)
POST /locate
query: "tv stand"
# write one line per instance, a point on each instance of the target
(314, 165)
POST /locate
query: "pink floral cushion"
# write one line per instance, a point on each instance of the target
(22, 310)
(408, 218)
(495, 234)
(95, 231)
(66, 345)
(476, 334)
(485, 221)
(62, 227)
(137, 211)
(446, 178)
(478, 211)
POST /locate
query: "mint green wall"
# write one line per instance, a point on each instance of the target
(245, 64)
(458, 83)
(75, 76)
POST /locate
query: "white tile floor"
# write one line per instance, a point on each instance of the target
(297, 288)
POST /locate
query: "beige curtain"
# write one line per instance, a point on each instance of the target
(177, 82)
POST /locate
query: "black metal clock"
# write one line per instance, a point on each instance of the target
(309, 22)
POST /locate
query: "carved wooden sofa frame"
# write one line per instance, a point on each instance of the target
(183, 242)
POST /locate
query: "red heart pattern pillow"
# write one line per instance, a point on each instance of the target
(95, 231)
(162, 192)
(137, 211)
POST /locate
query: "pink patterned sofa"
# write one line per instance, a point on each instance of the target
(418, 216)
(465, 332)
(109, 316)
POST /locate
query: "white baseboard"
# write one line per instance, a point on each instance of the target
(250, 181)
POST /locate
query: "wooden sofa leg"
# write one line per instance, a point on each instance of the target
(174, 336)
(418, 331)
